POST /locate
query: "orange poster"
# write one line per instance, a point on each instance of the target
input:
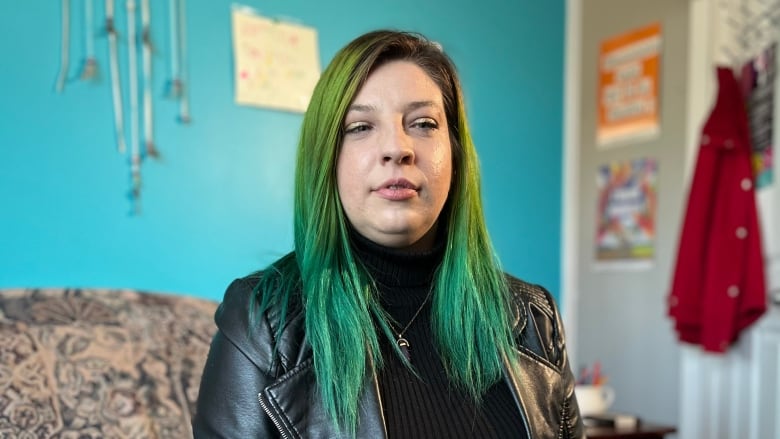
(628, 86)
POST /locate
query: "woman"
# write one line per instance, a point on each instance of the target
(391, 318)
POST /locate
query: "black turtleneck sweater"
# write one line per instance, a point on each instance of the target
(429, 406)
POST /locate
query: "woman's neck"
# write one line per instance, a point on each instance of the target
(393, 267)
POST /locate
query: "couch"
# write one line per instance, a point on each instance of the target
(100, 363)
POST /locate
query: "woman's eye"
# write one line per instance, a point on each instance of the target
(425, 123)
(357, 127)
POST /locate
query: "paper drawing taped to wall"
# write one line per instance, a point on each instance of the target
(276, 63)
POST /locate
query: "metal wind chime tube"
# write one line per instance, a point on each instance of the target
(116, 81)
(65, 48)
(89, 68)
(135, 150)
(177, 86)
(174, 84)
(184, 103)
(146, 40)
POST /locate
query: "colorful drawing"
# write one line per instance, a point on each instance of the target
(627, 204)
(276, 63)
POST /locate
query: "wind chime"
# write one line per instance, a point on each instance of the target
(138, 88)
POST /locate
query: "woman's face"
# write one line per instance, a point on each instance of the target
(395, 164)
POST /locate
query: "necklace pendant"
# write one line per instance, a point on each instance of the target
(403, 344)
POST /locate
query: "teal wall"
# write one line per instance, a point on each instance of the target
(219, 204)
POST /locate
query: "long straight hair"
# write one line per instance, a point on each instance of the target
(471, 314)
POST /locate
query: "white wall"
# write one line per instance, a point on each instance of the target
(618, 317)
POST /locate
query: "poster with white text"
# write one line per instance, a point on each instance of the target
(628, 88)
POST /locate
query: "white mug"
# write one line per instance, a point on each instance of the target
(594, 400)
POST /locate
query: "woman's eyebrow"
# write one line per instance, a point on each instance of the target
(421, 104)
(411, 106)
(363, 108)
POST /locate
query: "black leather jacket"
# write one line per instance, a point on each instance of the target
(246, 394)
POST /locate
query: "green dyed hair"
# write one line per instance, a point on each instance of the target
(472, 322)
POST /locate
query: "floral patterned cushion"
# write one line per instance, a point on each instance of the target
(100, 363)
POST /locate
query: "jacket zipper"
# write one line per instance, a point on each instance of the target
(563, 432)
(375, 381)
(267, 411)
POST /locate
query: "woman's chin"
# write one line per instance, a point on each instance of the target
(406, 237)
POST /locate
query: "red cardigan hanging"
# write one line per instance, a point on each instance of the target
(719, 287)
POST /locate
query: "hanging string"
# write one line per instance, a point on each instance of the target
(116, 81)
(135, 150)
(65, 48)
(146, 41)
(89, 67)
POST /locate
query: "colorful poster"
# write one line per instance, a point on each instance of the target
(627, 204)
(628, 87)
(758, 86)
(276, 63)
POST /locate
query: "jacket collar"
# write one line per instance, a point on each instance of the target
(521, 316)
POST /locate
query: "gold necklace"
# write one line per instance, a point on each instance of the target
(403, 344)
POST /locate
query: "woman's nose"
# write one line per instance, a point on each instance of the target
(397, 147)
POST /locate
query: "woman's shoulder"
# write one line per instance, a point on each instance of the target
(250, 315)
(538, 327)
(526, 293)
(239, 297)
(246, 296)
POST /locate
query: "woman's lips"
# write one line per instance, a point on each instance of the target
(397, 189)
